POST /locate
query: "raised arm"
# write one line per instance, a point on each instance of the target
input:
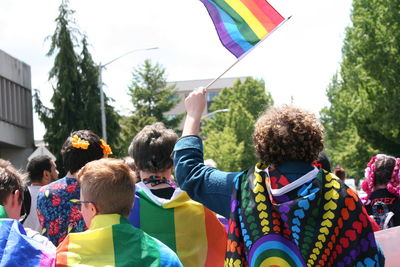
(204, 184)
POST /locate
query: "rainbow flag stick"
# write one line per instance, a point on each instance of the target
(246, 53)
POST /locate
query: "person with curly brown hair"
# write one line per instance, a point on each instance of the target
(284, 210)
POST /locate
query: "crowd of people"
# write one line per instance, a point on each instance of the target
(165, 206)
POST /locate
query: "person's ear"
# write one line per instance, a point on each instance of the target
(46, 177)
(93, 209)
(16, 198)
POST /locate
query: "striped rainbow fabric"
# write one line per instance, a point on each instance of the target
(112, 241)
(241, 24)
(187, 227)
(17, 249)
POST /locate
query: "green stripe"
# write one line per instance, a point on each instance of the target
(243, 27)
(3, 213)
(132, 247)
(274, 253)
(157, 222)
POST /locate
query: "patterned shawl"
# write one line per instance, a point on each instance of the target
(313, 221)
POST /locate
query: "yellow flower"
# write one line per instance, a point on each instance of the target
(79, 143)
(106, 148)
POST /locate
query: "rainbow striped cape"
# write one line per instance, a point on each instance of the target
(17, 249)
(241, 24)
(112, 241)
(184, 225)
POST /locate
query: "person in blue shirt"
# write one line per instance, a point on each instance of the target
(283, 210)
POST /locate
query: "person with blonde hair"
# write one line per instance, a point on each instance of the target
(283, 211)
(107, 196)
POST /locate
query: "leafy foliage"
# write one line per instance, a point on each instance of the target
(245, 101)
(76, 95)
(363, 116)
(151, 99)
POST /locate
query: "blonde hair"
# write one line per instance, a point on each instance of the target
(109, 184)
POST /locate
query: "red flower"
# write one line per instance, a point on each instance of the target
(54, 227)
(75, 214)
(71, 188)
(56, 200)
(41, 220)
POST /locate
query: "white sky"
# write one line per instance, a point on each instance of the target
(297, 61)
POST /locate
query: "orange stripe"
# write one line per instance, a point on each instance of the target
(62, 253)
(272, 14)
(216, 239)
(261, 17)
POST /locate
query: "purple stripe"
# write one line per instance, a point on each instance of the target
(223, 34)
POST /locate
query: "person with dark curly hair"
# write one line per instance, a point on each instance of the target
(57, 210)
(283, 210)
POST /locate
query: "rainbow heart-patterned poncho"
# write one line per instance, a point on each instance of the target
(313, 221)
(17, 249)
(187, 227)
(112, 241)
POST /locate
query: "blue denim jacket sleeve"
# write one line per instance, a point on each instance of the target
(207, 185)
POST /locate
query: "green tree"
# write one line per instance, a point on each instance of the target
(75, 87)
(91, 95)
(224, 148)
(370, 72)
(245, 101)
(342, 142)
(151, 99)
(363, 116)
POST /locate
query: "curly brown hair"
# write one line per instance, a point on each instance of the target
(288, 134)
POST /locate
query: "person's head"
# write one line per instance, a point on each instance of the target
(107, 187)
(152, 147)
(12, 188)
(340, 173)
(288, 134)
(382, 171)
(42, 170)
(131, 164)
(82, 147)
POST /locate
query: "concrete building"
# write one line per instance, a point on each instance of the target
(185, 87)
(16, 119)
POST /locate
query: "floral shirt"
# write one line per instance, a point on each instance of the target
(57, 209)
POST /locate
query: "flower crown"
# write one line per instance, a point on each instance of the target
(393, 186)
(83, 144)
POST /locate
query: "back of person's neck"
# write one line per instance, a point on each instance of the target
(38, 183)
(166, 173)
(72, 175)
(379, 186)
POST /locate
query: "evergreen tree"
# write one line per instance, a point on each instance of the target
(245, 101)
(363, 116)
(75, 88)
(151, 99)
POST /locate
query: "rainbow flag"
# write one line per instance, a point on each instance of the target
(241, 24)
(112, 241)
(187, 227)
(17, 249)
